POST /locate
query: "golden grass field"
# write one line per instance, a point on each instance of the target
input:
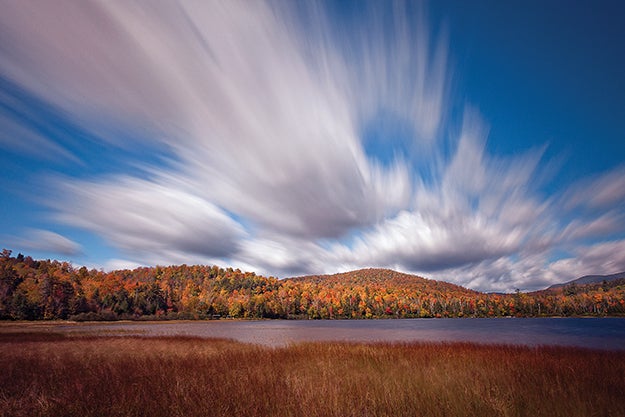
(49, 374)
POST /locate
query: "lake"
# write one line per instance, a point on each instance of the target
(600, 333)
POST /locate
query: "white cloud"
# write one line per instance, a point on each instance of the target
(601, 258)
(259, 127)
(149, 219)
(19, 139)
(118, 264)
(478, 210)
(47, 241)
(603, 225)
(604, 191)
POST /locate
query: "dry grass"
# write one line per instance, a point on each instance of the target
(56, 375)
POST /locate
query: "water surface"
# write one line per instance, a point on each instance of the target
(601, 333)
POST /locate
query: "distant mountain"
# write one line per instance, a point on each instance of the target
(590, 279)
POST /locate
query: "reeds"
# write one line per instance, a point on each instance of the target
(54, 375)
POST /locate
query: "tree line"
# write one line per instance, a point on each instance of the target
(50, 289)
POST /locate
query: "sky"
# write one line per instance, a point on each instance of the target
(480, 143)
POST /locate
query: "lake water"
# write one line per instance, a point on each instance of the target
(601, 333)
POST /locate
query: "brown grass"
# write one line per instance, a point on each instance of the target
(56, 375)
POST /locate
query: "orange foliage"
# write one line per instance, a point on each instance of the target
(48, 289)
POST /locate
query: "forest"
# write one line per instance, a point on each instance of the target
(50, 289)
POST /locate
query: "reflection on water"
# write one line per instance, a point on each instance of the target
(603, 333)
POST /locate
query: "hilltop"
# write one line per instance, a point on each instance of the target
(384, 277)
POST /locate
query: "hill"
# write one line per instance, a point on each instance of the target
(591, 279)
(387, 278)
(376, 292)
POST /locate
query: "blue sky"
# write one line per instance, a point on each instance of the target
(480, 143)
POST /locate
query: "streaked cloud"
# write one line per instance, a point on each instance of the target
(605, 191)
(148, 219)
(45, 240)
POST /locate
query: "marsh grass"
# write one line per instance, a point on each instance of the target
(57, 375)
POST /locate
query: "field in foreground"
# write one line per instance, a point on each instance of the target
(58, 375)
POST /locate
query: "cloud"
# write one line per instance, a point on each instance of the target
(18, 139)
(536, 271)
(142, 218)
(604, 225)
(258, 127)
(253, 120)
(606, 190)
(119, 264)
(30, 127)
(47, 241)
(478, 208)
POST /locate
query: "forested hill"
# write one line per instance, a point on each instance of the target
(48, 289)
(383, 277)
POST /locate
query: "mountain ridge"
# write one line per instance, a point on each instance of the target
(590, 279)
